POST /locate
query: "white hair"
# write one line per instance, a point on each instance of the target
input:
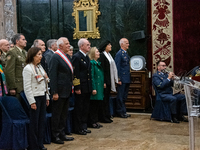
(59, 42)
(121, 41)
(81, 42)
(71, 47)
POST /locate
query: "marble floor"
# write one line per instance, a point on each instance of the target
(135, 133)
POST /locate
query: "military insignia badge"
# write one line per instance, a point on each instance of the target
(122, 51)
(76, 82)
(8, 57)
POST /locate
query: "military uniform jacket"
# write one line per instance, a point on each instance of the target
(60, 76)
(14, 67)
(122, 61)
(82, 73)
(162, 84)
(196, 71)
(97, 80)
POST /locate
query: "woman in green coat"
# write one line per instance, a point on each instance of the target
(97, 88)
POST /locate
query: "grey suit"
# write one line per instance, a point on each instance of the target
(48, 54)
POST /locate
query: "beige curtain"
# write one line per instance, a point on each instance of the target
(89, 15)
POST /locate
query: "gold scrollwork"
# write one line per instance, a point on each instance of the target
(87, 12)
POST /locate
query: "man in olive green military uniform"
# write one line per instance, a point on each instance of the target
(16, 58)
(4, 46)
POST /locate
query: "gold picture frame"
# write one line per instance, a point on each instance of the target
(86, 14)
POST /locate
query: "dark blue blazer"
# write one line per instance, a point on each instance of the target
(162, 84)
(82, 73)
(195, 70)
(122, 61)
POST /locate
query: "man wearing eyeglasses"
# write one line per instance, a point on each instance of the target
(163, 83)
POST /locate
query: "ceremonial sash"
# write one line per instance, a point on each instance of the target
(64, 57)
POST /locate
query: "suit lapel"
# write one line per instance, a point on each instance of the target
(65, 62)
(86, 59)
(82, 56)
(20, 53)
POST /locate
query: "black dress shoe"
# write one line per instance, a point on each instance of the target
(94, 125)
(81, 132)
(87, 131)
(183, 118)
(111, 120)
(44, 148)
(122, 116)
(57, 140)
(174, 120)
(65, 138)
(128, 115)
(105, 120)
(100, 126)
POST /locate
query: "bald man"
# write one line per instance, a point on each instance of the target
(4, 46)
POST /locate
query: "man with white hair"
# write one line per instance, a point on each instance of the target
(4, 46)
(60, 73)
(82, 86)
(122, 60)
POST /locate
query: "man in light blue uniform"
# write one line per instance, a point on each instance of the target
(122, 60)
(163, 83)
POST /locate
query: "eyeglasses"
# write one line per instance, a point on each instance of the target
(163, 65)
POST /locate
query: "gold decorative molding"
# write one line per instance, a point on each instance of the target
(90, 13)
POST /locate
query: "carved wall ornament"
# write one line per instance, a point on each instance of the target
(9, 19)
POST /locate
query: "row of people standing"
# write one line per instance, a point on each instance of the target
(60, 71)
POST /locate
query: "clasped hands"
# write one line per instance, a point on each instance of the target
(171, 76)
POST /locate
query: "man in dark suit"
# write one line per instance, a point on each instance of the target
(40, 44)
(60, 73)
(82, 86)
(52, 47)
(163, 83)
(123, 67)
